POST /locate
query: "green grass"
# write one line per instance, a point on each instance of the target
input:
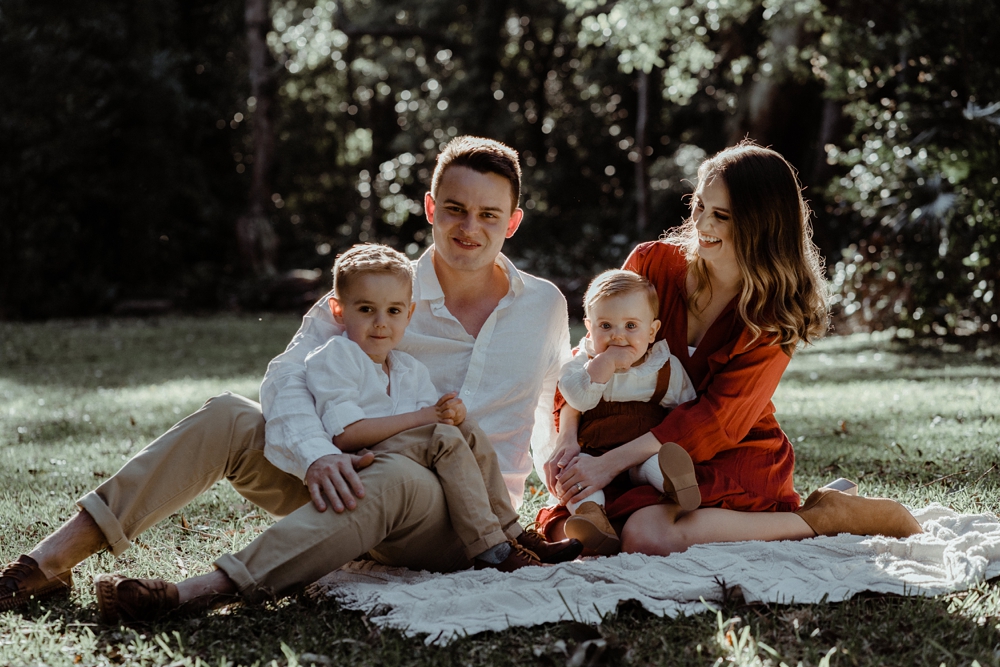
(78, 398)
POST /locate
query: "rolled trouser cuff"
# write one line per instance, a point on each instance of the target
(106, 520)
(248, 587)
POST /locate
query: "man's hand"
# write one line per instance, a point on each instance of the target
(333, 478)
(449, 409)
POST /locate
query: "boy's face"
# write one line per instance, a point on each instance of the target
(624, 321)
(375, 309)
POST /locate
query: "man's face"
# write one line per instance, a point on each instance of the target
(470, 217)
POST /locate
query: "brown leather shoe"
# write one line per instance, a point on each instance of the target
(22, 581)
(831, 512)
(549, 552)
(124, 600)
(679, 482)
(590, 525)
(519, 557)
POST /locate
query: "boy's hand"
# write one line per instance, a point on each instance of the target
(333, 477)
(450, 410)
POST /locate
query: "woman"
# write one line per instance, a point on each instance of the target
(740, 285)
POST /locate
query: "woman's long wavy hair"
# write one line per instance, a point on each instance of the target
(784, 289)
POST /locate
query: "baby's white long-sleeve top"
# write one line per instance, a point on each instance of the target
(348, 386)
(635, 384)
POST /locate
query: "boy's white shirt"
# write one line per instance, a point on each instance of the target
(348, 386)
(506, 375)
(635, 384)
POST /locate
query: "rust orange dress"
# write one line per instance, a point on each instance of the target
(743, 460)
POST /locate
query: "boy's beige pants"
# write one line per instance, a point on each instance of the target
(402, 520)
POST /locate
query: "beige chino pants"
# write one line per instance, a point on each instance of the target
(402, 520)
(469, 473)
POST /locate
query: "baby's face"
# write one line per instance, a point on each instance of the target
(375, 309)
(625, 321)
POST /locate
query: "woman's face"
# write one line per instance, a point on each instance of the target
(714, 222)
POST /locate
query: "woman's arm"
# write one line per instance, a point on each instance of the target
(596, 472)
(567, 447)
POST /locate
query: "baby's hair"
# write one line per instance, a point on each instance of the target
(616, 282)
(369, 258)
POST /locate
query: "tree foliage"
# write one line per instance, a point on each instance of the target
(126, 159)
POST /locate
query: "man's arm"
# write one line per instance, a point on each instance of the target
(295, 441)
(294, 434)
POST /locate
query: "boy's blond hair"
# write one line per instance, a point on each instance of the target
(369, 258)
(616, 282)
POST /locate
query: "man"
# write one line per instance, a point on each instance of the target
(494, 334)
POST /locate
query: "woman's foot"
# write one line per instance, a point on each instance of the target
(590, 525)
(831, 512)
(679, 482)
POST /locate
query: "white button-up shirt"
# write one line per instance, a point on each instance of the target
(506, 376)
(348, 386)
(638, 383)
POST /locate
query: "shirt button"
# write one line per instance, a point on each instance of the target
(467, 392)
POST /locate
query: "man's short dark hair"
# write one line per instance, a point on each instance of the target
(486, 156)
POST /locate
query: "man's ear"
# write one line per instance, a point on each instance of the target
(337, 309)
(653, 329)
(514, 222)
(429, 207)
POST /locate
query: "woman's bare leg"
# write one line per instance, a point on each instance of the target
(665, 529)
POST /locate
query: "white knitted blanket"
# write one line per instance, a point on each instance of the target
(955, 552)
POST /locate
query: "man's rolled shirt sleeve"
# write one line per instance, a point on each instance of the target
(294, 436)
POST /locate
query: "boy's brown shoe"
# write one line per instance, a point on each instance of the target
(519, 557)
(549, 552)
(22, 581)
(590, 525)
(679, 482)
(124, 600)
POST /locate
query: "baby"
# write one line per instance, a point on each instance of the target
(623, 387)
(369, 395)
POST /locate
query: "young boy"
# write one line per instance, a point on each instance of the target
(623, 387)
(369, 395)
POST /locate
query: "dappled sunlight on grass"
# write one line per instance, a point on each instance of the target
(913, 424)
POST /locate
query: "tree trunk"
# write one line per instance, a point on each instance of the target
(641, 139)
(255, 236)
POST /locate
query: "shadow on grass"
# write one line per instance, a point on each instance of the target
(954, 629)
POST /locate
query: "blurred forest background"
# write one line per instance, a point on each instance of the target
(196, 155)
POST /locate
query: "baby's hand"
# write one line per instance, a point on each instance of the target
(607, 363)
(450, 409)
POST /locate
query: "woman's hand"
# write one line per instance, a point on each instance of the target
(584, 475)
(567, 447)
(566, 451)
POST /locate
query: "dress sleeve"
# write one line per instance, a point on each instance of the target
(737, 397)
